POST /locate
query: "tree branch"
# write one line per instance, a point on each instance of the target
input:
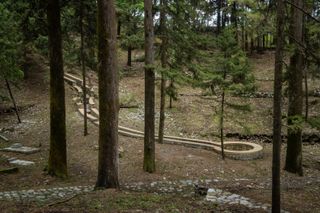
(314, 56)
(302, 10)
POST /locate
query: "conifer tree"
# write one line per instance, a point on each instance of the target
(149, 125)
(230, 62)
(57, 164)
(108, 96)
(277, 102)
(10, 38)
(163, 55)
(295, 94)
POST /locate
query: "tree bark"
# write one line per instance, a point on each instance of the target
(234, 20)
(119, 28)
(163, 51)
(83, 67)
(295, 94)
(224, 14)
(219, 5)
(57, 164)
(149, 125)
(129, 60)
(306, 88)
(108, 96)
(222, 119)
(13, 100)
(277, 101)
(252, 44)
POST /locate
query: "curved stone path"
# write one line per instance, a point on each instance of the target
(251, 151)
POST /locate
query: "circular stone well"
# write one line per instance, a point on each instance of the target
(242, 150)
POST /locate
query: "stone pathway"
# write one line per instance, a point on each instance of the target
(185, 188)
(44, 195)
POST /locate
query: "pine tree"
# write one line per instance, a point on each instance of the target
(108, 96)
(10, 38)
(277, 116)
(149, 123)
(83, 67)
(57, 164)
(131, 16)
(164, 63)
(230, 62)
(295, 94)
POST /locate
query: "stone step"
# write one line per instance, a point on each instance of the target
(78, 89)
(89, 116)
(78, 80)
(91, 101)
(95, 111)
(69, 80)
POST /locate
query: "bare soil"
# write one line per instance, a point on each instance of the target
(192, 116)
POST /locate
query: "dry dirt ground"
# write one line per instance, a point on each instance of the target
(192, 116)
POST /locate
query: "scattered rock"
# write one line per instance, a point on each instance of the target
(18, 148)
(22, 162)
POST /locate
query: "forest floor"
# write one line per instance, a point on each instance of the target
(192, 115)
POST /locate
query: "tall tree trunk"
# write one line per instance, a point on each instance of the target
(234, 20)
(149, 136)
(13, 100)
(129, 60)
(119, 28)
(246, 41)
(108, 96)
(83, 67)
(252, 44)
(163, 51)
(306, 88)
(57, 164)
(277, 101)
(295, 94)
(221, 125)
(219, 5)
(224, 14)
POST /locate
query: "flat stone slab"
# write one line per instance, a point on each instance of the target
(91, 101)
(89, 116)
(95, 111)
(21, 162)
(78, 89)
(18, 148)
(4, 138)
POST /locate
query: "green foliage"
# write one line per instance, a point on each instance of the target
(131, 19)
(70, 24)
(229, 70)
(295, 123)
(30, 17)
(10, 45)
(183, 44)
(314, 122)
